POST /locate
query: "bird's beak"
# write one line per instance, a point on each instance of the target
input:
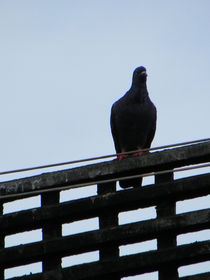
(144, 73)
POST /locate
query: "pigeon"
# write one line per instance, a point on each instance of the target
(133, 122)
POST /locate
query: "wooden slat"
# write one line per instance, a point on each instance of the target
(108, 219)
(131, 265)
(92, 207)
(152, 162)
(165, 209)
(115, 236)
(50, 231)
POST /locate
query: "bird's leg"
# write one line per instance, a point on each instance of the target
(119, 157)
(141, 153)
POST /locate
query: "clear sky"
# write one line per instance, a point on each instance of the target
(63, 63)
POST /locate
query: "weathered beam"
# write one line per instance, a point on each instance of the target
(50, 231)
(131, 265)
(110, 237)
(203, 276)
(152, 162)
(165, 209)
(108, 219)
(92, 207)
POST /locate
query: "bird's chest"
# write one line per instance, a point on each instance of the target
(133, 115)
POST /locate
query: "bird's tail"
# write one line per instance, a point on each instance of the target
(127, 183)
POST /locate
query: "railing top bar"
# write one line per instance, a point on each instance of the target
(76, 186)
(163, 161)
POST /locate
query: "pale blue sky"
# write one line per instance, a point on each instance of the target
(63, 63)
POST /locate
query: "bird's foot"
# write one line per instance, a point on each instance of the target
(120, 157)
(140, 154)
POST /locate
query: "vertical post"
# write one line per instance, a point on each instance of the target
(108, 219)
(1, 240)
(51, 231)
(165, 209)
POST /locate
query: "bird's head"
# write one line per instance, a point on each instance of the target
(140, 75)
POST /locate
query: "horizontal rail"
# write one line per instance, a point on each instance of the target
(198, 153)
(120, 201)
(94, 240)
(131, 265)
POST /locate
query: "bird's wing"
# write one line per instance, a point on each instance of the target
(151, 133)
(114, 130)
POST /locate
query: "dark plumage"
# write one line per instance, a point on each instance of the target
(133, 121)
